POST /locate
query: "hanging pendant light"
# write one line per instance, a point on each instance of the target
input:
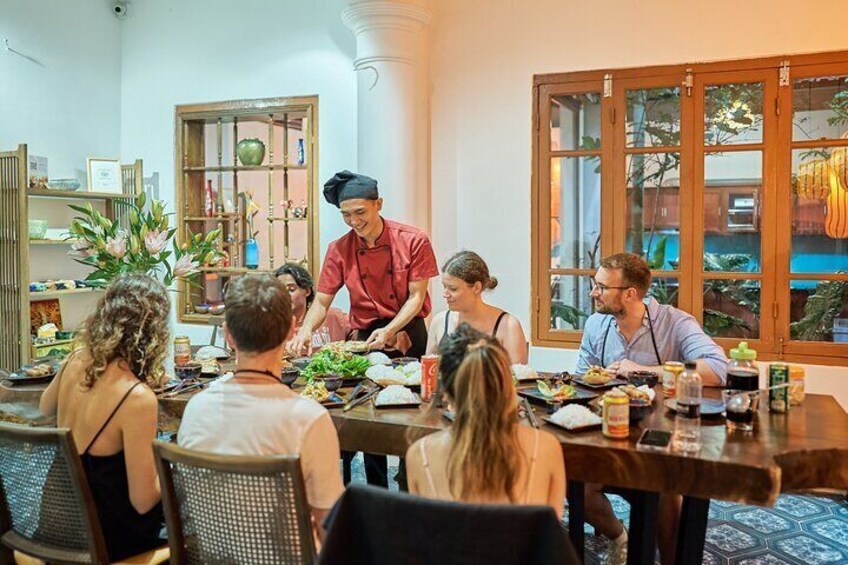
(812, 182)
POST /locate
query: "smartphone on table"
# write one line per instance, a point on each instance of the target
(654, 440)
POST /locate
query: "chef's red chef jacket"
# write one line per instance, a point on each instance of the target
(378, 278)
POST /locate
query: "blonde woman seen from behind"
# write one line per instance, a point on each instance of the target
(486, 456)
(465, 277)
(102, 394)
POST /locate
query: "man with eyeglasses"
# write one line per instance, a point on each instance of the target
(629, 333)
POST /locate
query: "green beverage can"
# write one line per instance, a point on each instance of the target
(778, 398)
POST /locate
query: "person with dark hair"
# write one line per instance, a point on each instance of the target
(103, 394)
(633, 332)
(250, 411)
(298, 282)
(465, 277)
(486, 456)
(386, 267)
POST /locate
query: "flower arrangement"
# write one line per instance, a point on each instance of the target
(112, 250)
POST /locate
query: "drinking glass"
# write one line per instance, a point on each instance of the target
(740, 407)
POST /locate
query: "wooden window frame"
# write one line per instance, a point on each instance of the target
(773, 342)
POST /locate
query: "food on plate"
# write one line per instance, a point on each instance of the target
(208, 366)
(636, 393)
(573, 416)
(396, 394)
(409, 374)
(347, 346)
(556, 393)
(524, 372)
(211, 352)
(342, 363)
(596, 376)
(317, 391)
(378, 358)
(40, 370)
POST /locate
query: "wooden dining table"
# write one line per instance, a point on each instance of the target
(803, 449)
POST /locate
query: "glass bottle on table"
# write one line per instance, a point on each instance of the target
(742, 372)
(687, 422)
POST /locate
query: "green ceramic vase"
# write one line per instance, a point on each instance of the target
(250, 152)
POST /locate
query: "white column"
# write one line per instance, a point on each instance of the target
(392, 104)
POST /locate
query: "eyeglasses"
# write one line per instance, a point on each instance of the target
(601, 288)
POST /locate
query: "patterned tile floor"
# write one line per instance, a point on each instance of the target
(810, 529)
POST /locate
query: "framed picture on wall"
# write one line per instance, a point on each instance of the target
(104, 175)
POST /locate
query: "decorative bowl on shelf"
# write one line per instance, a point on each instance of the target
(216, 309)
(250, 152)
(37, 229)
(201, 308)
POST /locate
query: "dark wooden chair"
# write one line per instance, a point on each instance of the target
(234, 509)
(373, 525)
(46, 509)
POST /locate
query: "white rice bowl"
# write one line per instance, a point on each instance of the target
(573, 416)
(395, 394)
(378, 358)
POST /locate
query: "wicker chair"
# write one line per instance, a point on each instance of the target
(234, 509)
(46, 508)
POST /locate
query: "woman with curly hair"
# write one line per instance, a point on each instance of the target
(486, 456)
(102, 393)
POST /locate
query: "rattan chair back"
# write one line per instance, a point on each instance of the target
(46, 508)
(234, 509)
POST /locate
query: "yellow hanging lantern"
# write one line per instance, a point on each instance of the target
(839, 162)
(836, 218)
(812, 181)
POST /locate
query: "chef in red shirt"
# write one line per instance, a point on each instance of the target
(385, 265)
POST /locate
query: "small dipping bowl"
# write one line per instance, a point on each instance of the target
(332, 381)
(639, 378)
(188, 371)
(289, 375)
(301, 362)
(201, 308)
(639, 409)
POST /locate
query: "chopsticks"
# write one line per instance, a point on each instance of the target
(357, 401)
(530, 414)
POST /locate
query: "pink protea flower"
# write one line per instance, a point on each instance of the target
(185, 266)
(117, 246)
(155, 241)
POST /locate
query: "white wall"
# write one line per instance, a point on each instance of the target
(485, 54)
(191, 51)
(65, 106)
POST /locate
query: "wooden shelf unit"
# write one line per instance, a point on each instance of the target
(206, 150)
(17, 251)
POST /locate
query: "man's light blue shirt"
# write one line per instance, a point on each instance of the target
(678, 335)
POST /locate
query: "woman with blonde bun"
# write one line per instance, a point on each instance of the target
(465, 277)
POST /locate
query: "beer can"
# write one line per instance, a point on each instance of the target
(429, 376)
(616, 415)
(182, 350)
(671, 372)
(778, 398)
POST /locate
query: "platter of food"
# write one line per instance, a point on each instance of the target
(34, 374)
(574, 418)
(347, 346)
(550, 394)
(406, 375)
(318, 392)
(332, 361)
(397, 396)
(598, 378)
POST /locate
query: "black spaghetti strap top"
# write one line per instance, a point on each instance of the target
(127, 532)
(494, 330)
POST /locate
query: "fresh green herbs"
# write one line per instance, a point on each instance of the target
(340, 363)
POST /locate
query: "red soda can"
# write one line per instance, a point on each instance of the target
(429, 376)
